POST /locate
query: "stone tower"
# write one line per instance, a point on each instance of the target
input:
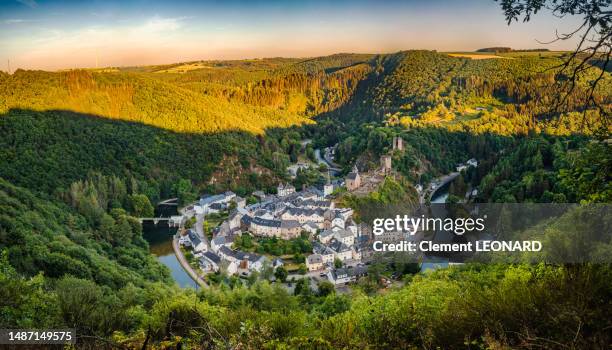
(398, 143)
(385, 164)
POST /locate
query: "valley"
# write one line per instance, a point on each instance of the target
(85, 153)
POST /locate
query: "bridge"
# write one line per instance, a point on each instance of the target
(173, 221)
(171, 201)
(439, 183)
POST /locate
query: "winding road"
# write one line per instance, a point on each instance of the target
(332, 167)
(181, 258)
(199, 228)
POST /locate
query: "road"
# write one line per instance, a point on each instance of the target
(327, 155)
(199, 227)
(181, 258)
(332, 169)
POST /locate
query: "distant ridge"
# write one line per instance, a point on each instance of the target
(509, 49)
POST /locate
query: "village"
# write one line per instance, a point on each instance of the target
(339, 249)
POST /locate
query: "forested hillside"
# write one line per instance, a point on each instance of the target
(49, 150)
(45, 241)
(135, 98)
(507, 96)
(307, 87)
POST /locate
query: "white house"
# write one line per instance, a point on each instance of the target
(364, 250)
(285, 229)
(184, 241)
(198, 209)
(353, 228)
(243, 260)
(345, 236)
(336, 228)
(250, 261)
(263, 214)
(221, 241)
(196, 242)
(326, 235)
(231, 267)
(314, 204)
(345, 212)
(240, 202)
(265, 227)
(226, 254)
(341, 250)
(340, 276)
(338, 221)
(210, 262)
(346, 275)
(278, 262)
(215, 203)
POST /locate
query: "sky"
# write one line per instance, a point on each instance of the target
(60, 34)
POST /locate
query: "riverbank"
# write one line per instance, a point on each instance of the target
(160, 236)
(185, 264)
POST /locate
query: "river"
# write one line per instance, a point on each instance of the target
(160, 244)
(432, 263)
(440, 198)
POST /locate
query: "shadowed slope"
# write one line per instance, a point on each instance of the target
(44, 150)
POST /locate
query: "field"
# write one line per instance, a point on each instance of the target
(475, 56)
(527, 54)
(184, 68)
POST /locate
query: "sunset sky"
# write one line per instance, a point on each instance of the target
(44, 34)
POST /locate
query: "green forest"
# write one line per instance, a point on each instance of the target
(84, 153)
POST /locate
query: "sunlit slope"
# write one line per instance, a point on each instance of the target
(137, 98)
(504, 96)
(306, 87)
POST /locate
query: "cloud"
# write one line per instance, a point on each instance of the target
(78, 46)
(159, 24)
(16, 21)
(29, 3)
